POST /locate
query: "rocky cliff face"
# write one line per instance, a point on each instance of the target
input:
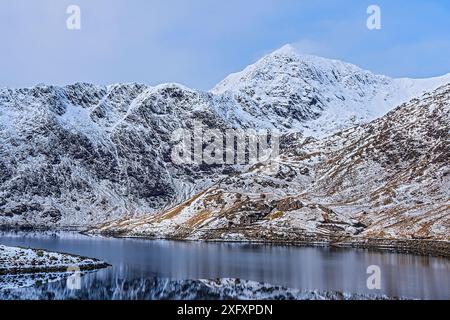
(84, 154)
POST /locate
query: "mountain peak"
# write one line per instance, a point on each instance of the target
(290, 64)
(319, 96)
(289, 50)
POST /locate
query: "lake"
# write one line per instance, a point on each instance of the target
(142, 269)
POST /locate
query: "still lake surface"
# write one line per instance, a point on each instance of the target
(324, 269)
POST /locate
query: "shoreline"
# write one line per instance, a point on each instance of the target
(420, 247)
(59, 269)
(35, 261)
(431, 248)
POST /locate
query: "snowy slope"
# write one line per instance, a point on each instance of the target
(80, 154)
(294, 91)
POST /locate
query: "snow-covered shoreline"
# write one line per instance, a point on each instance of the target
(22, 267)
(15, 260)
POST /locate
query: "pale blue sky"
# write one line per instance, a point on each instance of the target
(199, 42)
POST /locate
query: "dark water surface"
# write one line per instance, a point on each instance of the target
(323, 269)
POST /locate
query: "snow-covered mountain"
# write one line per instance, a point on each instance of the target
(293, 91)
(83, 154)
(386, 179)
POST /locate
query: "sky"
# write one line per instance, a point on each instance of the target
(199, 42)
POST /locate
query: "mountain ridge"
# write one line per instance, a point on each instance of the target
(83, 154)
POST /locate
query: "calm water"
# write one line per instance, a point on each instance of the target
(293, 267)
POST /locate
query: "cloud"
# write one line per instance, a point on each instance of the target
(401, 59)
(312, 47)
